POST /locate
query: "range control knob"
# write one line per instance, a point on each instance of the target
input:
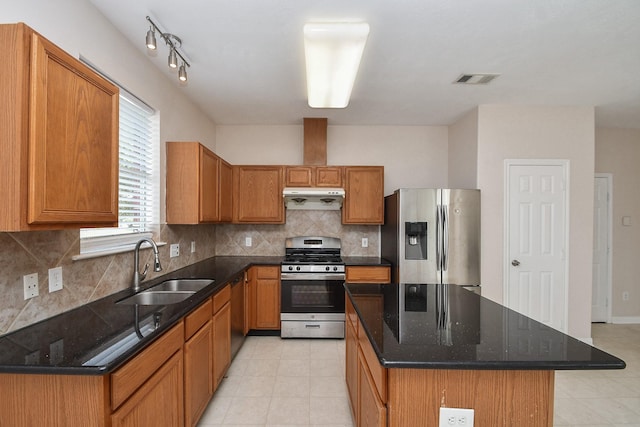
(327, 268)
(335, 268)
(290, 267)
(298, 268)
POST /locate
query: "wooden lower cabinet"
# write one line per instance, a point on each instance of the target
(368, 274)
(221, 343)
(264, 294)
(371, 412)
(198, 363)
(157, 402)
(351, 370)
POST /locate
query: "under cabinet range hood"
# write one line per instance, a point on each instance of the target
(313, 198)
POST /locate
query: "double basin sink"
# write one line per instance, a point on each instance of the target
(167, 292)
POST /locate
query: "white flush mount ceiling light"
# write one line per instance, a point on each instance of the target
(174, 42)
(333, 52)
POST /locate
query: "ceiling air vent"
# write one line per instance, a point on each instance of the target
(475, 79)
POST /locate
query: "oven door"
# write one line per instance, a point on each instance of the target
(312, 293)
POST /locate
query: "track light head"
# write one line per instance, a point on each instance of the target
(182, 73)
(151, 39)
(173, 59)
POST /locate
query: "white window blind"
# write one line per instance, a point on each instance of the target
(138, 204)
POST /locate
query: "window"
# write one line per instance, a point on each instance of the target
(138, 204)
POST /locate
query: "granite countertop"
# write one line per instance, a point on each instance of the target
(449, 327)
(96, 338)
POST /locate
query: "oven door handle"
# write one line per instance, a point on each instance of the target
(312, 276)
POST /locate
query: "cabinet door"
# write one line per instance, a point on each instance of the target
(158, 402)
(221, 342)
(351, 367)
(225, 191)
(259, 194)
(267, 297)
(328, 176)
(298, 176)
(371, 411)
(198, 380)
(73, 141)
(208, 188)
(364, 198)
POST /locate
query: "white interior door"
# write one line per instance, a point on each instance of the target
(601, 249)
(536, 240)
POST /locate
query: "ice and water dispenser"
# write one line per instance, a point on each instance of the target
(415, 240)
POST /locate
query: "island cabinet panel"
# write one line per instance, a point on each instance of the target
(498, 397)
(157, 402)
(58, 137)
(59, 400)
(368, 274)
(364, 195)
(351, 366)
(372, 411)
(258, 194)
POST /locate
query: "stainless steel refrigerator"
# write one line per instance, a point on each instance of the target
(433, 236)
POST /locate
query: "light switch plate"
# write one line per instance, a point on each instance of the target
(247, 241)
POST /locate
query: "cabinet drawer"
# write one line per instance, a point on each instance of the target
(221, 298)
(378, 373)
(267, 272)
(132, 375)
(369, 274)
(197, 318)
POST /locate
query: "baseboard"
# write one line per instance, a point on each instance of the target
(625, 319)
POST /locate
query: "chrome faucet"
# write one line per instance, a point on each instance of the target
(137, 276)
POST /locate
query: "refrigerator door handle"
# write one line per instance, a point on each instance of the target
(445, 237)
(438, 237)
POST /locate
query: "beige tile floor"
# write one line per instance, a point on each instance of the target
(274, 382)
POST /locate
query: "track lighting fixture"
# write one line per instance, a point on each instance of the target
(174, 42)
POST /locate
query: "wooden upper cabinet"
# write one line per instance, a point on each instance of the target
(313, 176)
(258, 194)
(58, 137)
(199, 185)
(364, 198)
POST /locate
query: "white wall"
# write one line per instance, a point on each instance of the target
(413, 156)
(618, 153)
(509, 131)
(80, 29)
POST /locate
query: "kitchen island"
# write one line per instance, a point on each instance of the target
(412, 349)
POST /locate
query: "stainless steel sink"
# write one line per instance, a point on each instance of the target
(168, 292)
(181, 285)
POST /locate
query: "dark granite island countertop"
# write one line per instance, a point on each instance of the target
(414, 349)
(446, 326)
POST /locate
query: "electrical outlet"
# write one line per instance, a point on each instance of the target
(174, 250)
(247, 241)
(193, 247)
(456, 417)
(55, 279)
(30, 282)
(365, 242)
(625, 296)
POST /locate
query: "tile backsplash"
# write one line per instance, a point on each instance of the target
(91, 279)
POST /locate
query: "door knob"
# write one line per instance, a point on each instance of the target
(515, 263)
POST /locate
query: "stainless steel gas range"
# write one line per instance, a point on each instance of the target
(312, 292)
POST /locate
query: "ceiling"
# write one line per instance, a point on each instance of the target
(247, 56)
